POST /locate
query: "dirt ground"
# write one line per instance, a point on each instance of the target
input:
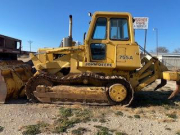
(151, 113)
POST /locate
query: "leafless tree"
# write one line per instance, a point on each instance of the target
(152, 51)
(162, 49)
(176, 50)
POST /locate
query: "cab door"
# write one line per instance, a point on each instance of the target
(98, 47)
(121, 35)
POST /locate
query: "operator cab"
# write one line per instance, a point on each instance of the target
(111, 40)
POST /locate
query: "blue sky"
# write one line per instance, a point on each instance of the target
(45, 22)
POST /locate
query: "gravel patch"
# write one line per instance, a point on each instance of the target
(151, 109)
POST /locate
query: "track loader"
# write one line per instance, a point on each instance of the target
(105, 70)
(13, 73)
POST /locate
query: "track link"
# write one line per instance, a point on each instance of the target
(90, 79)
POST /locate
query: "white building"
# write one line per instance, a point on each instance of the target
(171, 60)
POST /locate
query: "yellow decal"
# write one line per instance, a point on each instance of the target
(126, 57)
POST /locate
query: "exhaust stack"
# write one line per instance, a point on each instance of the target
(70, 26)
(67, 41)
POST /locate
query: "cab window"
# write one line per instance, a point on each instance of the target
(119, 29)
(98, 51)
(100, 29)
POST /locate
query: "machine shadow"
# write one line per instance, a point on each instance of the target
(17, 101)
(141, 99)
(153, 98)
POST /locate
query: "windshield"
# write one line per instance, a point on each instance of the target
(119, 29)
(100, 29)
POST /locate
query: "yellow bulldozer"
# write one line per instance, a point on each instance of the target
(13, 73)
(106, 70)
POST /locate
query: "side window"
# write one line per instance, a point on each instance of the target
(119, 29)
(100, 29)
(98, 51)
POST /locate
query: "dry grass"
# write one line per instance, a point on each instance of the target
(34, 129)
(119, 113)
(103, 130)
(79, 131)
(178, 132)
(172, 115)
(69, 117)
(1, 129)
(120, 133)
(167, 120)
(137, 116)
(106, 131)
(138, 111)
(168, 129)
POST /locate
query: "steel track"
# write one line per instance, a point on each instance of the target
(92, 79)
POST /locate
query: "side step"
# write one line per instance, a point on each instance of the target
(64, 93)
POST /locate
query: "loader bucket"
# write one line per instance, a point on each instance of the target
(13, 77)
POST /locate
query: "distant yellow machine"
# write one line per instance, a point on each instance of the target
(106, 69)
(13, 77)
(13, 73)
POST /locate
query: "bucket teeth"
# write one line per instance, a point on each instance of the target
(176, 91)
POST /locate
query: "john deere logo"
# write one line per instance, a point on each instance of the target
(98, 64)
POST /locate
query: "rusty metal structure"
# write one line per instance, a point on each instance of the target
(9, 48)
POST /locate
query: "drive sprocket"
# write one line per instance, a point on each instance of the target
(32, 84)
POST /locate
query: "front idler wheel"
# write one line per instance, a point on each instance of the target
(120, 93)
(117, 92)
